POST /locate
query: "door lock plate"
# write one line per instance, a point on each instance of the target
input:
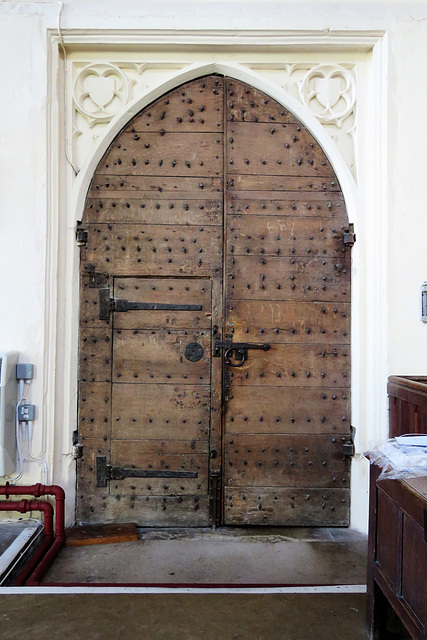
(193, 351)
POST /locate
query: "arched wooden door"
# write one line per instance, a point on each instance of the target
(214, 380)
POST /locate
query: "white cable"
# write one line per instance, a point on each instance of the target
(64, 52)
(36, 458)
(21, 396)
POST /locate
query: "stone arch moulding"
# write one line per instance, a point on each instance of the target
(239, 73)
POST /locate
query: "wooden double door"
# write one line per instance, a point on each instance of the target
(214, 377)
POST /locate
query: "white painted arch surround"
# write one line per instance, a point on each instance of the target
(63, 293)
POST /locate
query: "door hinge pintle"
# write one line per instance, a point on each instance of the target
(81, 237)
(349, 237)
(348, 448)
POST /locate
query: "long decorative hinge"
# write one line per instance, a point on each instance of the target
(106, 472)
(108, 304)
(349, 237)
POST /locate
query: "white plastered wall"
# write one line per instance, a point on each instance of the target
(41, 198)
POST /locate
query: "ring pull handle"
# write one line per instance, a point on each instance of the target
(228, 354)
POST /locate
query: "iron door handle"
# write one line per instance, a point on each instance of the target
(241, 352)
(240, 349)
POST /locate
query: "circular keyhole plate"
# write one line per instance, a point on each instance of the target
(193, 351)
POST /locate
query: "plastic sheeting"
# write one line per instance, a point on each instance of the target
(402, 457)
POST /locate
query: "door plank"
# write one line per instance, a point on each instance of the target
(285, 460)
(158, 356)
(148, 511)
(276, 235)
(109, 185)
(264, 202)
(285, 321)
(275, 149)
(247, 104)
(294, 279)
(89, 305)
(86, 465)
(168, 154)
(146, 210)
(147, 250)
(196, 106)
(287, 410)
(167, 411)
(95, 355)
(168, 291)
(288, 365)
(289, 507)
(128, 454)
(281, 184)
(94, 410)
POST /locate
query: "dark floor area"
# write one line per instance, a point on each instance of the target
(184, 617)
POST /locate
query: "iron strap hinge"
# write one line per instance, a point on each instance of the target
(106, 472)
(349, 237)
(108, 304)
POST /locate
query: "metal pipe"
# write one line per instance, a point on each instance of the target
(33, 561)
(38, 490)
(23, 506)
(48, 550)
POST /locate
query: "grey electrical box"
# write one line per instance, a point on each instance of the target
(8, 400)
(24, 371)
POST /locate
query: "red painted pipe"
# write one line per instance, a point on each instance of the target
(47, 552)
(23, 506)
(38, 490)
(33, 561)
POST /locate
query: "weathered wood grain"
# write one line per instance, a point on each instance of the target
(167, 412)
(285, 321)
(95, 355)
(86, 466)
(285, 461)
(283, 278)
(109, 185)
(94, 410)
(277, 149)
(145, 511)
(281, 184)
(89, 305)
(295, 365)
(308, 507)
(276, 235)
(170, 154)
(194, 106)
(247, 104)
(150, 211)
(286, 203)
(285, 410)
(158, 357)
(140, 250)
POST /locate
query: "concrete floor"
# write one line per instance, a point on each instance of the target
(226, 556)
(183, 617)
